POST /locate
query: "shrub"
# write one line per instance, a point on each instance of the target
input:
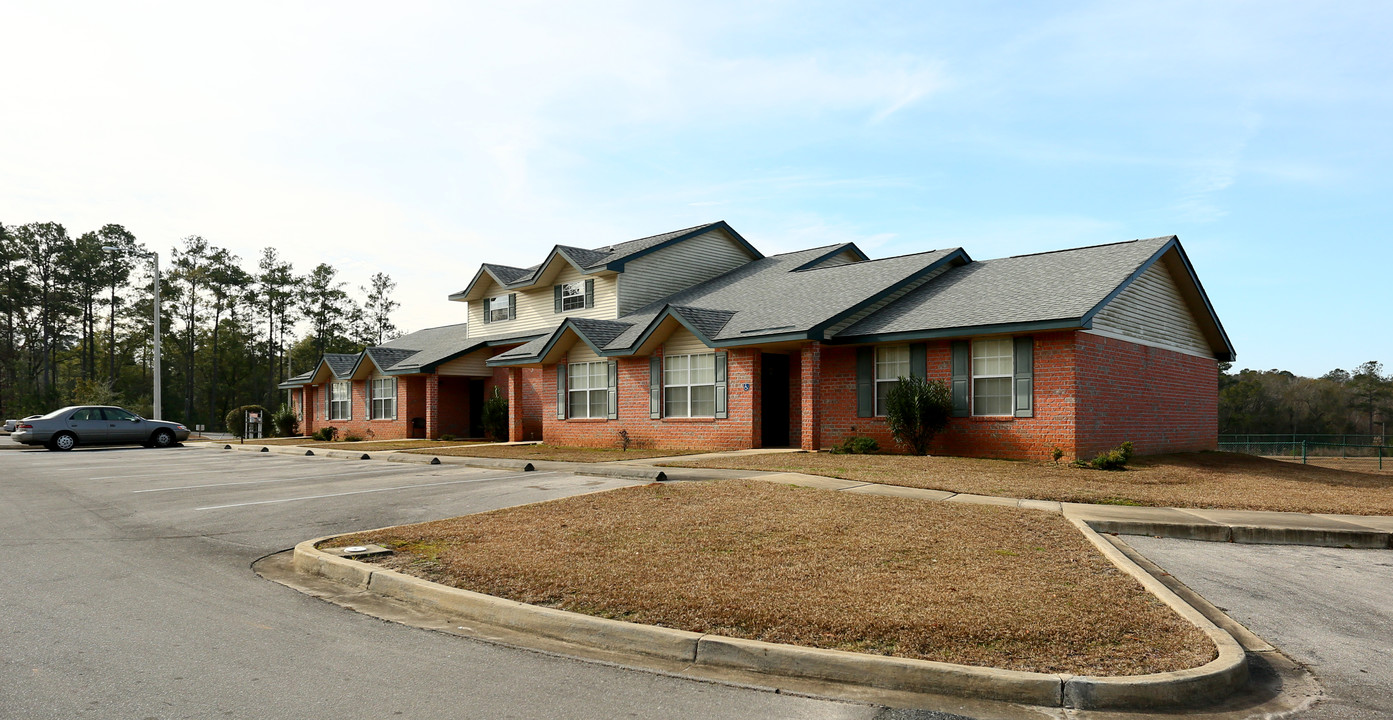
(1114, 459)
(1056, 453)
(352, 437)
(285, 422)
(624, 440)
(236, 419)
(447, 437)
(326, 433)
(495, 416)
(917, 409)
(856, 445)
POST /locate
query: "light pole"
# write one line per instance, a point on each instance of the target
(154, 256)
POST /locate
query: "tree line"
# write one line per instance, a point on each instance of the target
(76, 317)
(1278, 401)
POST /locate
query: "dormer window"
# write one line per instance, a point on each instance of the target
(499, 308)
(572, 296)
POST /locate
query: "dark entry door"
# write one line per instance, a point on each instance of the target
(476, 407)
(773, 384)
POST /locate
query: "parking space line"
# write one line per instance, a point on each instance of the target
(378, 490)
(339, 476)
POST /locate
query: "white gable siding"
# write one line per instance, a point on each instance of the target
(678, 267)
(536, 305)
(683, 342)
(580, 352)
(1151, 311)
(892, 297)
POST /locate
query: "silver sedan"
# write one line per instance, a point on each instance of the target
(69, 427)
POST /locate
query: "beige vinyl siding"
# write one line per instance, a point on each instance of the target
(1151, 311)
(842, 258)
(892, 297)
(470, 365)
(683, 342)
(536, 305)
(580, 352)
(678, 267)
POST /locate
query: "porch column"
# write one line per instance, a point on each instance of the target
(515, 433)
(810, 388)
(306, 417)
(433, 407)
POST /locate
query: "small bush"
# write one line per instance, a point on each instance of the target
(856, 445)
(285, 423)
(326, 434)
(447, 437)
(1056, 453)
(917, 409)
(624, 440)
(236, 420)
(352, 437)
(1114, 459)
(495, 417)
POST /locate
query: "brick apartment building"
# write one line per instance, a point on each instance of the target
(694, 338)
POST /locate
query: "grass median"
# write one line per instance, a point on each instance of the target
(976, 585)
(560, 453)
(1219, 480)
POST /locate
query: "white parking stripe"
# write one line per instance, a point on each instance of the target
(338, 476)
(378, 490)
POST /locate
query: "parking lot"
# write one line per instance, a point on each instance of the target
(127, 592)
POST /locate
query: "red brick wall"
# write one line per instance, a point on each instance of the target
(1009, 437)
(739, 430)
(411, 403)
(1160, 400)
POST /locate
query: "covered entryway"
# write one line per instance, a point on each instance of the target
(774, 400)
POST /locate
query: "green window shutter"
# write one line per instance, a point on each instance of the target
(919, 360)
(613, 389)
(485, 301)
(556, 299)
(962, 373)
(1025, 377)
(590, 293)
(560, 391)
(512, 306)
(655, 387)
(721, 386)
(865, 382)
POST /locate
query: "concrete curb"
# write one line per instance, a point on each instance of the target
(1203, 685)
(1206, 684)
(624, 472)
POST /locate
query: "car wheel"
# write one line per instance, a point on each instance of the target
(162, 439)
(63, 442)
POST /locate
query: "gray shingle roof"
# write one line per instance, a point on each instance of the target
(600, 332)
(507, 273)
(386, 357)
(341, 363)
(769, 296)
(1060, 285)
(709, 322)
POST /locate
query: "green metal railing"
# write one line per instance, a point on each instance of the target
(1304, 449)
(1295, 438)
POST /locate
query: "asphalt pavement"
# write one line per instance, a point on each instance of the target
(127, 592)
(1327, 608)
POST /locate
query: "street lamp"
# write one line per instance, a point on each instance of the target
(154, 256)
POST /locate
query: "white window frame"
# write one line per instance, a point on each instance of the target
(883, 377)
(573, 292)
(581, 378)
(496, 308)
(1008, 375)
(344, 404)
(379, 398)
(678, 381)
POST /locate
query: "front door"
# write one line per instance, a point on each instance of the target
(476, 407)
(123, 426)
(773, 383)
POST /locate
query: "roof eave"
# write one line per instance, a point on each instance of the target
(961, 331)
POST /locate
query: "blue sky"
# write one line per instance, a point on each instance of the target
(421, 139)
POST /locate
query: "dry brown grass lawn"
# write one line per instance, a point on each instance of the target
(560, 453)
(1198, 480)
(977, 585)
